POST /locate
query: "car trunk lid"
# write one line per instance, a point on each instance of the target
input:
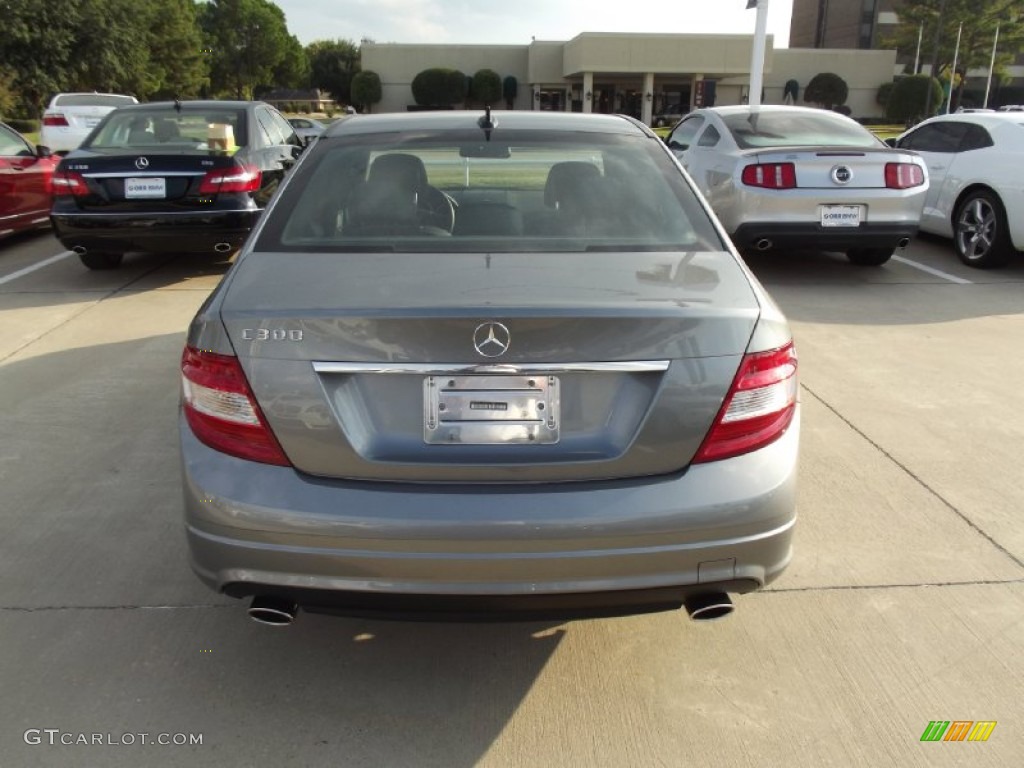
(537, 367)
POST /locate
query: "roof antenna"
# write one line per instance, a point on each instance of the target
(486, 123)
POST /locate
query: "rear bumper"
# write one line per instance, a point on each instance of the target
(816, 237)
(159, 232)
(361, 547)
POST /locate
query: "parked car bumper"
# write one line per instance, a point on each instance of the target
(352, 546)
(764, 235)
(185, 232)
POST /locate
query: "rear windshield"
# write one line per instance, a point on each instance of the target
(92, 100)
(522, 191)
(198, 130)
(787, 129)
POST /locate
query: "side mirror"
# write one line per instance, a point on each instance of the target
(43, 151)
(675, 145)
(891, 142)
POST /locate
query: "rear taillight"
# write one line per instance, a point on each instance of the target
(903, 175)
(69, 183)
(56, 120)
(221, 410)
(770, 175)
(235, 178)
(758, 408)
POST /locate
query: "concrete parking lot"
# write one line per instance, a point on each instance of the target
(904, 603)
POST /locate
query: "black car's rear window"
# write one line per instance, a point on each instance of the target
(768, 129)
(519, 191)
(188, 129)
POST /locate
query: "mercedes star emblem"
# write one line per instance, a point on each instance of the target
(491, 339)
(841, 174)
(141, 163)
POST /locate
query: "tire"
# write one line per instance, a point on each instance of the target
(101, 259)
(980, 231)
(869, 257)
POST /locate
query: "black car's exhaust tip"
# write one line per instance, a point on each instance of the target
(272, 611)
(903, 243)
(222, 247)
(708, 606)
(80, 250)
(763, 244)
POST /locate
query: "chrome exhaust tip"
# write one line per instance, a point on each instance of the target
(272, 611)
(763, 244)
(80, 250)
(708, 606)
(222, 247)
(903, 243)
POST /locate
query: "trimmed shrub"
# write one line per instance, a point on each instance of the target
(366, 88)
(439, 87)
(22, 125)
(486, 86)
(884, 91)
(510, 89)
(827, 89)
(909, 95)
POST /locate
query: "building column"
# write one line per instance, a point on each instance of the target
(535, 97)
(697, 87)
(588, 91)
(647, 99)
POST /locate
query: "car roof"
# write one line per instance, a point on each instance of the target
(195, 104)
(456, 120)
(990, 119)
(745, 109)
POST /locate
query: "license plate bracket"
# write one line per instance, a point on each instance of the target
(841, 215)
(491, 409)
(147, 188)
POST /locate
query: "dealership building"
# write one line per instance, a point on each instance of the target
(638, 74)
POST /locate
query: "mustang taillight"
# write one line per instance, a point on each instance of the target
(903, 175)
(69, 183)
(235, 178)
(770, 175)
(758, 408)
(221, 410)
(56, 120)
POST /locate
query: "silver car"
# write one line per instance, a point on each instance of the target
(499, 363)
(307, 128)
(782, 177)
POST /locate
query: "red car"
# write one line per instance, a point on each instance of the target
(25, 190)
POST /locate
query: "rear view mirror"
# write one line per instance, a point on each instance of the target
(891, 142)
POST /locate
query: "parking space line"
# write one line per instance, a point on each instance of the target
(932, 271)
(34, 267)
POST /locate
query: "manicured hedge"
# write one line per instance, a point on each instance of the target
(23, 126)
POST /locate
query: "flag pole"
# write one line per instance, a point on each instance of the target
(757, 54)
(991, 66)
(952, 72)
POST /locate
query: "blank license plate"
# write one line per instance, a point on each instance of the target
(491, 410)
(151, 188)
(841, 215)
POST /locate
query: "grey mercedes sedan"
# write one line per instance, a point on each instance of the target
(488, 364)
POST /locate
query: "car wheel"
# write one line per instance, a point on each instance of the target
(101, 259)
(980, 232)
(869, 257)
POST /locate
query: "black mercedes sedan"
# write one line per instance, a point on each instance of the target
(177, 176)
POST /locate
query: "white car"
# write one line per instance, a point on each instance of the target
(782, 178)
(71, 116)
(976, 197)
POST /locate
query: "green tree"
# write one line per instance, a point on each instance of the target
(37, 44)
(178, 63)
(332, 65)
(827, 89)
(248, 41)
(908, 98)
(366, 88)
(112, 47)
(486, 86)
(979, 19)
(293, 71)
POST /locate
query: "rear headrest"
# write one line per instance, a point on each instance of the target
(404, 171)
(569, 180)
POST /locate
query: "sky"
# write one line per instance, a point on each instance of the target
(516, 23)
